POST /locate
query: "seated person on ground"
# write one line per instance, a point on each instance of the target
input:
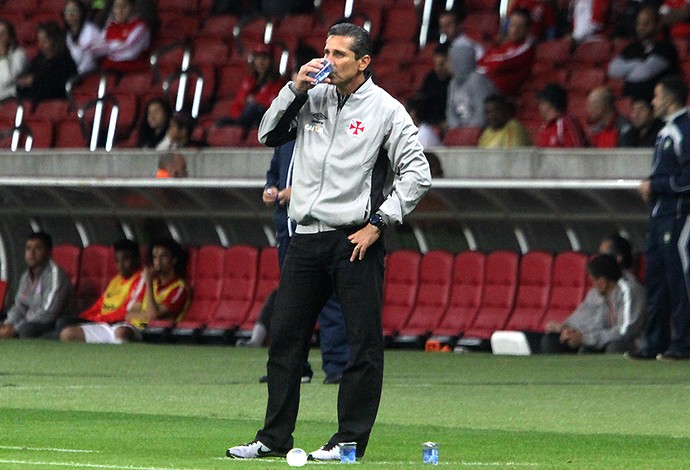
(44, 295)
(109, 311)
(609, 320)
(166, 293)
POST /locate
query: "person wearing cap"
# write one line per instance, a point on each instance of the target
(558, 130)
(259, 87)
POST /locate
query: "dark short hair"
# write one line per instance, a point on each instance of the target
(11, 31)
(604, 266)
(175, 250)
(620, 246)
(554, 94)
(43, 237)
(184, 120)
(442, 49)
(361, 41)
(129, 247)
(675, 86)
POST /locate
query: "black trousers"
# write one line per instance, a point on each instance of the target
(317, 265)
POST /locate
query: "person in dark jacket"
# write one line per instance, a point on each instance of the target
(46, 75)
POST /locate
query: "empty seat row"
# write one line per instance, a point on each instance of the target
(471, 294)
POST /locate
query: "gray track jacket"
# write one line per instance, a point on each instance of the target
(352, 162)
(42, 300)
(592, 317)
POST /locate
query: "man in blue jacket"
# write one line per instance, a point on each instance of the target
(668, 255)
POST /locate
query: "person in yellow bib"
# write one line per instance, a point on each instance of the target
(124, 308)
(166, 293)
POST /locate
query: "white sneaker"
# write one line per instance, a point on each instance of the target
(252, 450)
(327, 452)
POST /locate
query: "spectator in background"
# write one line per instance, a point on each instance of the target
(435, 166)
(124, 40)
(172, 165)
(44, 294)
(675, 15)
(509, 64)
(428, 134)
(544, 19)
(13, 60)
(558, 130)
(502, 129)
(609, 320)
(179, 133)
(604, 125)
(166, 293)
(103, 318)
(589, 18)
(450, 30)
(80, 32)
(644, 126)
(434, 90)
(646, 60)
(154, 126)
(46, 75)
(467, 91)
(259, 87)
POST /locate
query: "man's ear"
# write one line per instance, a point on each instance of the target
(365, 60)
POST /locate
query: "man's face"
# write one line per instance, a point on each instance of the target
(447, 26)
(601, 284)
(660, 102)
(125, 264)
(345, 66)
(36, 253)
(640, 114)
(517, 28)
(496, 118)
(645, 24)
(594, 109)
(163, 262)
(441, 65)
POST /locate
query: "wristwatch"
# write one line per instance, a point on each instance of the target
(377, 221)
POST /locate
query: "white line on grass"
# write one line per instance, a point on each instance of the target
(49, 449)
(85, 465)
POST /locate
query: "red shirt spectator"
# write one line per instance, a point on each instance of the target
(509, 64)
(605, 125)
(543, 15)
(675, 14)
(558, 130)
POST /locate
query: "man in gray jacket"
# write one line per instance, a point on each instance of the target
(610, 318)
(44, 294)
(358, 167)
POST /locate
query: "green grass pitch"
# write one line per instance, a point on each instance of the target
(147, 406)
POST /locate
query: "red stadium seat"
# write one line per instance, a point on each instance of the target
(596, 53)
(583, 80)
(68, 134)
(465, 295)
(240, 271)
(225, 136)
(556, 52)
(252, 139)
(399, 289)
(42, 132)
(53, 110)
(3, 293)
(500, 286)
(534, 286)
(267, 282)
(96, 269)
(567, 288)
(462, 137)
(210, 51)
(400, 24)
(208, 281)
(218, 26)
(435, 277)
(67, 257)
